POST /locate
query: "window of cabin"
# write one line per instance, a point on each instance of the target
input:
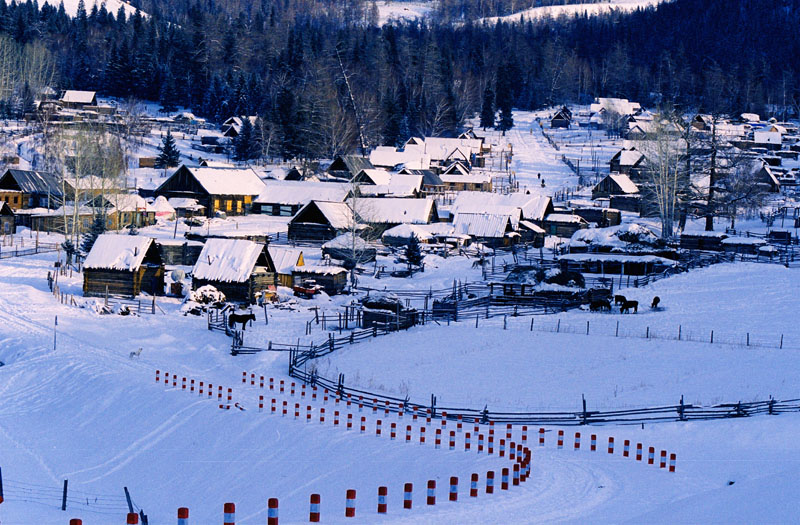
(248, 199)
(238, 206)
(285, 211)
(228, 205)
(216, 204)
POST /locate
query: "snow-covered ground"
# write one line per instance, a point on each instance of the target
(112, 6)
(555, 11)
(399, 10)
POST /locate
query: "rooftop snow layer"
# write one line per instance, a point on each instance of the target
(117, 252)
(227, 260)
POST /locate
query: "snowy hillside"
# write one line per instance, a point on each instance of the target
(390, 10)
(112, 6)
(576, 9)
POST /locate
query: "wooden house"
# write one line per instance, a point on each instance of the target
(8, 224)
(227, 190)
(285, 261)
(431, 182)
(238, 268)
(562, 118)
(332, 279)
(348, 166)
(711, 241)
(284, 198)
(179, 252)
(628, 162)
(320, 221)
(614, 184)
(123, 265)
(233, 126)
(24, 189)
(603, 217)
(493, 230)
(387, 212)
(475, 181)
(73, 99)
(563, 224)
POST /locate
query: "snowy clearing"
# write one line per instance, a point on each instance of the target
(555, 11)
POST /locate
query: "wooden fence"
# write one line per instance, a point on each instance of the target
(17, 251)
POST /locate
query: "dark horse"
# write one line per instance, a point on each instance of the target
(240, 318)
(627, 306)
(599, 306)
(656, 300)
(619, 299)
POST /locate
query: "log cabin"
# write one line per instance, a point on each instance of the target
(123, 265)
(240, 269)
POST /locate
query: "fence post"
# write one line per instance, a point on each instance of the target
(64, 496)
(679, 332)
(587, 327)
(712, 336)
(616, 333)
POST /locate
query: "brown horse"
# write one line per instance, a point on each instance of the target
(241, 319)
(619, 299)
(627, 306)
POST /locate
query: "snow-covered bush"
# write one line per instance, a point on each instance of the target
(207, 295)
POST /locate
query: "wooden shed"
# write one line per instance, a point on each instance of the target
(333, 279)
(614, 184)
(123, 265)
(8, 224)
(563, 224)
(236, 267)
(320, 221)
(562, 118)
(285, 260)
(702, 241)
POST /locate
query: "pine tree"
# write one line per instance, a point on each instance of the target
(505, 97)
(414, 252)
(245, 145)
(97, 229)
(168, 153)
(488, 110)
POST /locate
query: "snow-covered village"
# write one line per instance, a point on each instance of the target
(430, 261)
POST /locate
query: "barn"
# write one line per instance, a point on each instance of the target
(123, 265)
(238, 268)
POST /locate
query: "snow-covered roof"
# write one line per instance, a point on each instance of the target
(614, 235)
(406, 231)
(389, 157)
(347, 240)
(564, 217)
(162, 205)
(227, 260)
(470, 178)
(485, 225)
(399, 186)
(394, 210)
(291, 192)
(532, 227)
(284, 259)
(128, 202)
(185, 203)
(626, 185)
(228, 181)
(533, 207)
(338, 214)
(621, 106)
(440, 148)
(754, 241)
(78, 97)
(117, 252)
(374, 175)
(614, 257)
(319, 270)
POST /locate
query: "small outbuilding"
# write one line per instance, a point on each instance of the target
(614, 184)
(332, 279)
(238, 268)
(8, 225)
(123, 265)
(285, 260)
(562, 118)
(563, 224)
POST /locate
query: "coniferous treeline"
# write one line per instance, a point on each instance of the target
(324, 80)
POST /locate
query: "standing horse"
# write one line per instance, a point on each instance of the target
(619, 299)
(627, 306)
(240, 318)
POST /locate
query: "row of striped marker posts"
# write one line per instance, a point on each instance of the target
(626, 450)
(202, 388)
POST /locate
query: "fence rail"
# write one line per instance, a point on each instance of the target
(16, 251)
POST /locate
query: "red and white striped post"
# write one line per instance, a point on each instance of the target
(490, 482)
(431, 496)
(490, 445)
(308, 413)
(467, 441)
(325, 397)
(350, 504)
(672, 460)
(272, 511)
(458, 423)
(261, 382)
(626, 448)
(512, 451)
(453, 488)
(386, 409)
(541, 437)
(132, 519)
(452, 440)
(75, 521)
(281, 386)
(336, 418)
(610, 445)
(438, 441)
(422, 435)
(229, 514)
(314, 508)
(191, 385)
(322, 415)
(166, 378)
(593, 443)
(374, 406)
(428, 417)
(480, 443)
(378, 428)
(477, 429)
(183, 516)
(393, 431)
(272, 383)
(504, 479)
(524, 434)
(210, 390)
(502, 448)
(663, 462)
(444, 419)
(252, 379)
(260, 403)
(383, 493)
(272, 405)
(560, 439)
(201, 388)
(244, 377)
(158, 376)
(508, 431)
(174, 381)
(400, 409)
(363, 425)
(303, 390)
(285, 408)
(515, 481)
(230, 394)
(408, 433)
(349, 421)
(297, 410)
(651, 455)
(473, 486)
(577, 441)
(360, 403)
(291, 391)
(313, 393)
(638, 451)
(408, 490)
